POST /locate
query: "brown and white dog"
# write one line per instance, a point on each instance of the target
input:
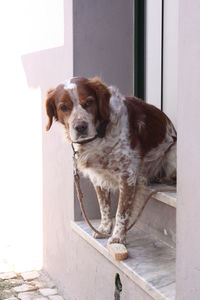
(122, 143)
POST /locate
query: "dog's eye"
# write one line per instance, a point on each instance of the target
(64, 107)
(88, 104)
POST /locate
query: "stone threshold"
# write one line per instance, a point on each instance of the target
(168, 198)
(150, 265)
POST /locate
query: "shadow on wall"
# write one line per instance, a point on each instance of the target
(45, 68)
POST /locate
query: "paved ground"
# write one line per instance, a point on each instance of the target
(32, 285)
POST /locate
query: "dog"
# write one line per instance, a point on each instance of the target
(122, 143)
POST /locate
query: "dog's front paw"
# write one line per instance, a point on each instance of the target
(119, 239)
(103, 229)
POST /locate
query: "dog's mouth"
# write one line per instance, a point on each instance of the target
(83, 139)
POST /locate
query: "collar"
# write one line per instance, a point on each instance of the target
(101, 131)
(85, 141)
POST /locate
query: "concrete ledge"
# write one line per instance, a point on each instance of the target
(168, 198)
(150, 265)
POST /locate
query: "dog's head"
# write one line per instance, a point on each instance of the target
(81, 105)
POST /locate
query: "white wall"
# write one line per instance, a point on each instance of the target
(28, 30)
(188, 206)
(170, 59)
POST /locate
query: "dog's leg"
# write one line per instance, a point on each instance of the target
(126, 198)
(103, 196)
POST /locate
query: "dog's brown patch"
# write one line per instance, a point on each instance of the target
(55, 100)
(147, 124)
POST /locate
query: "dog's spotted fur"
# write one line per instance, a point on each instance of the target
(137, 142)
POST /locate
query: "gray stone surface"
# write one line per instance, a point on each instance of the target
(32, 285)
(56, 297)
(8, 275)
(24, 288)
(27, 295)
(38, 283)
(30, 275)
(48, 292)
(150, 263)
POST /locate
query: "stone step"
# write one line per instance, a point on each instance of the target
(151, 262)
(151, 246)
(168, 198)
(159, 216)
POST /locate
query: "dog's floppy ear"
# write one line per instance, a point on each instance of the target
(50, 107)
(103, 96)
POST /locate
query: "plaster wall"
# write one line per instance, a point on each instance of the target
(188, 205)
(103, 41)
(31, 60)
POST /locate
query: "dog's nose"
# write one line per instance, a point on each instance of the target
(81, 127)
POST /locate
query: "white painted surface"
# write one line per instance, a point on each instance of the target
(188, 203)
(170, 60)
(30, 26)
(30, 32)
(153, 52)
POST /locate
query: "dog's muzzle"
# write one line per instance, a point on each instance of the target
(81, 129)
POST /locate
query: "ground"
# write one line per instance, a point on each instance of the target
(34, 285)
